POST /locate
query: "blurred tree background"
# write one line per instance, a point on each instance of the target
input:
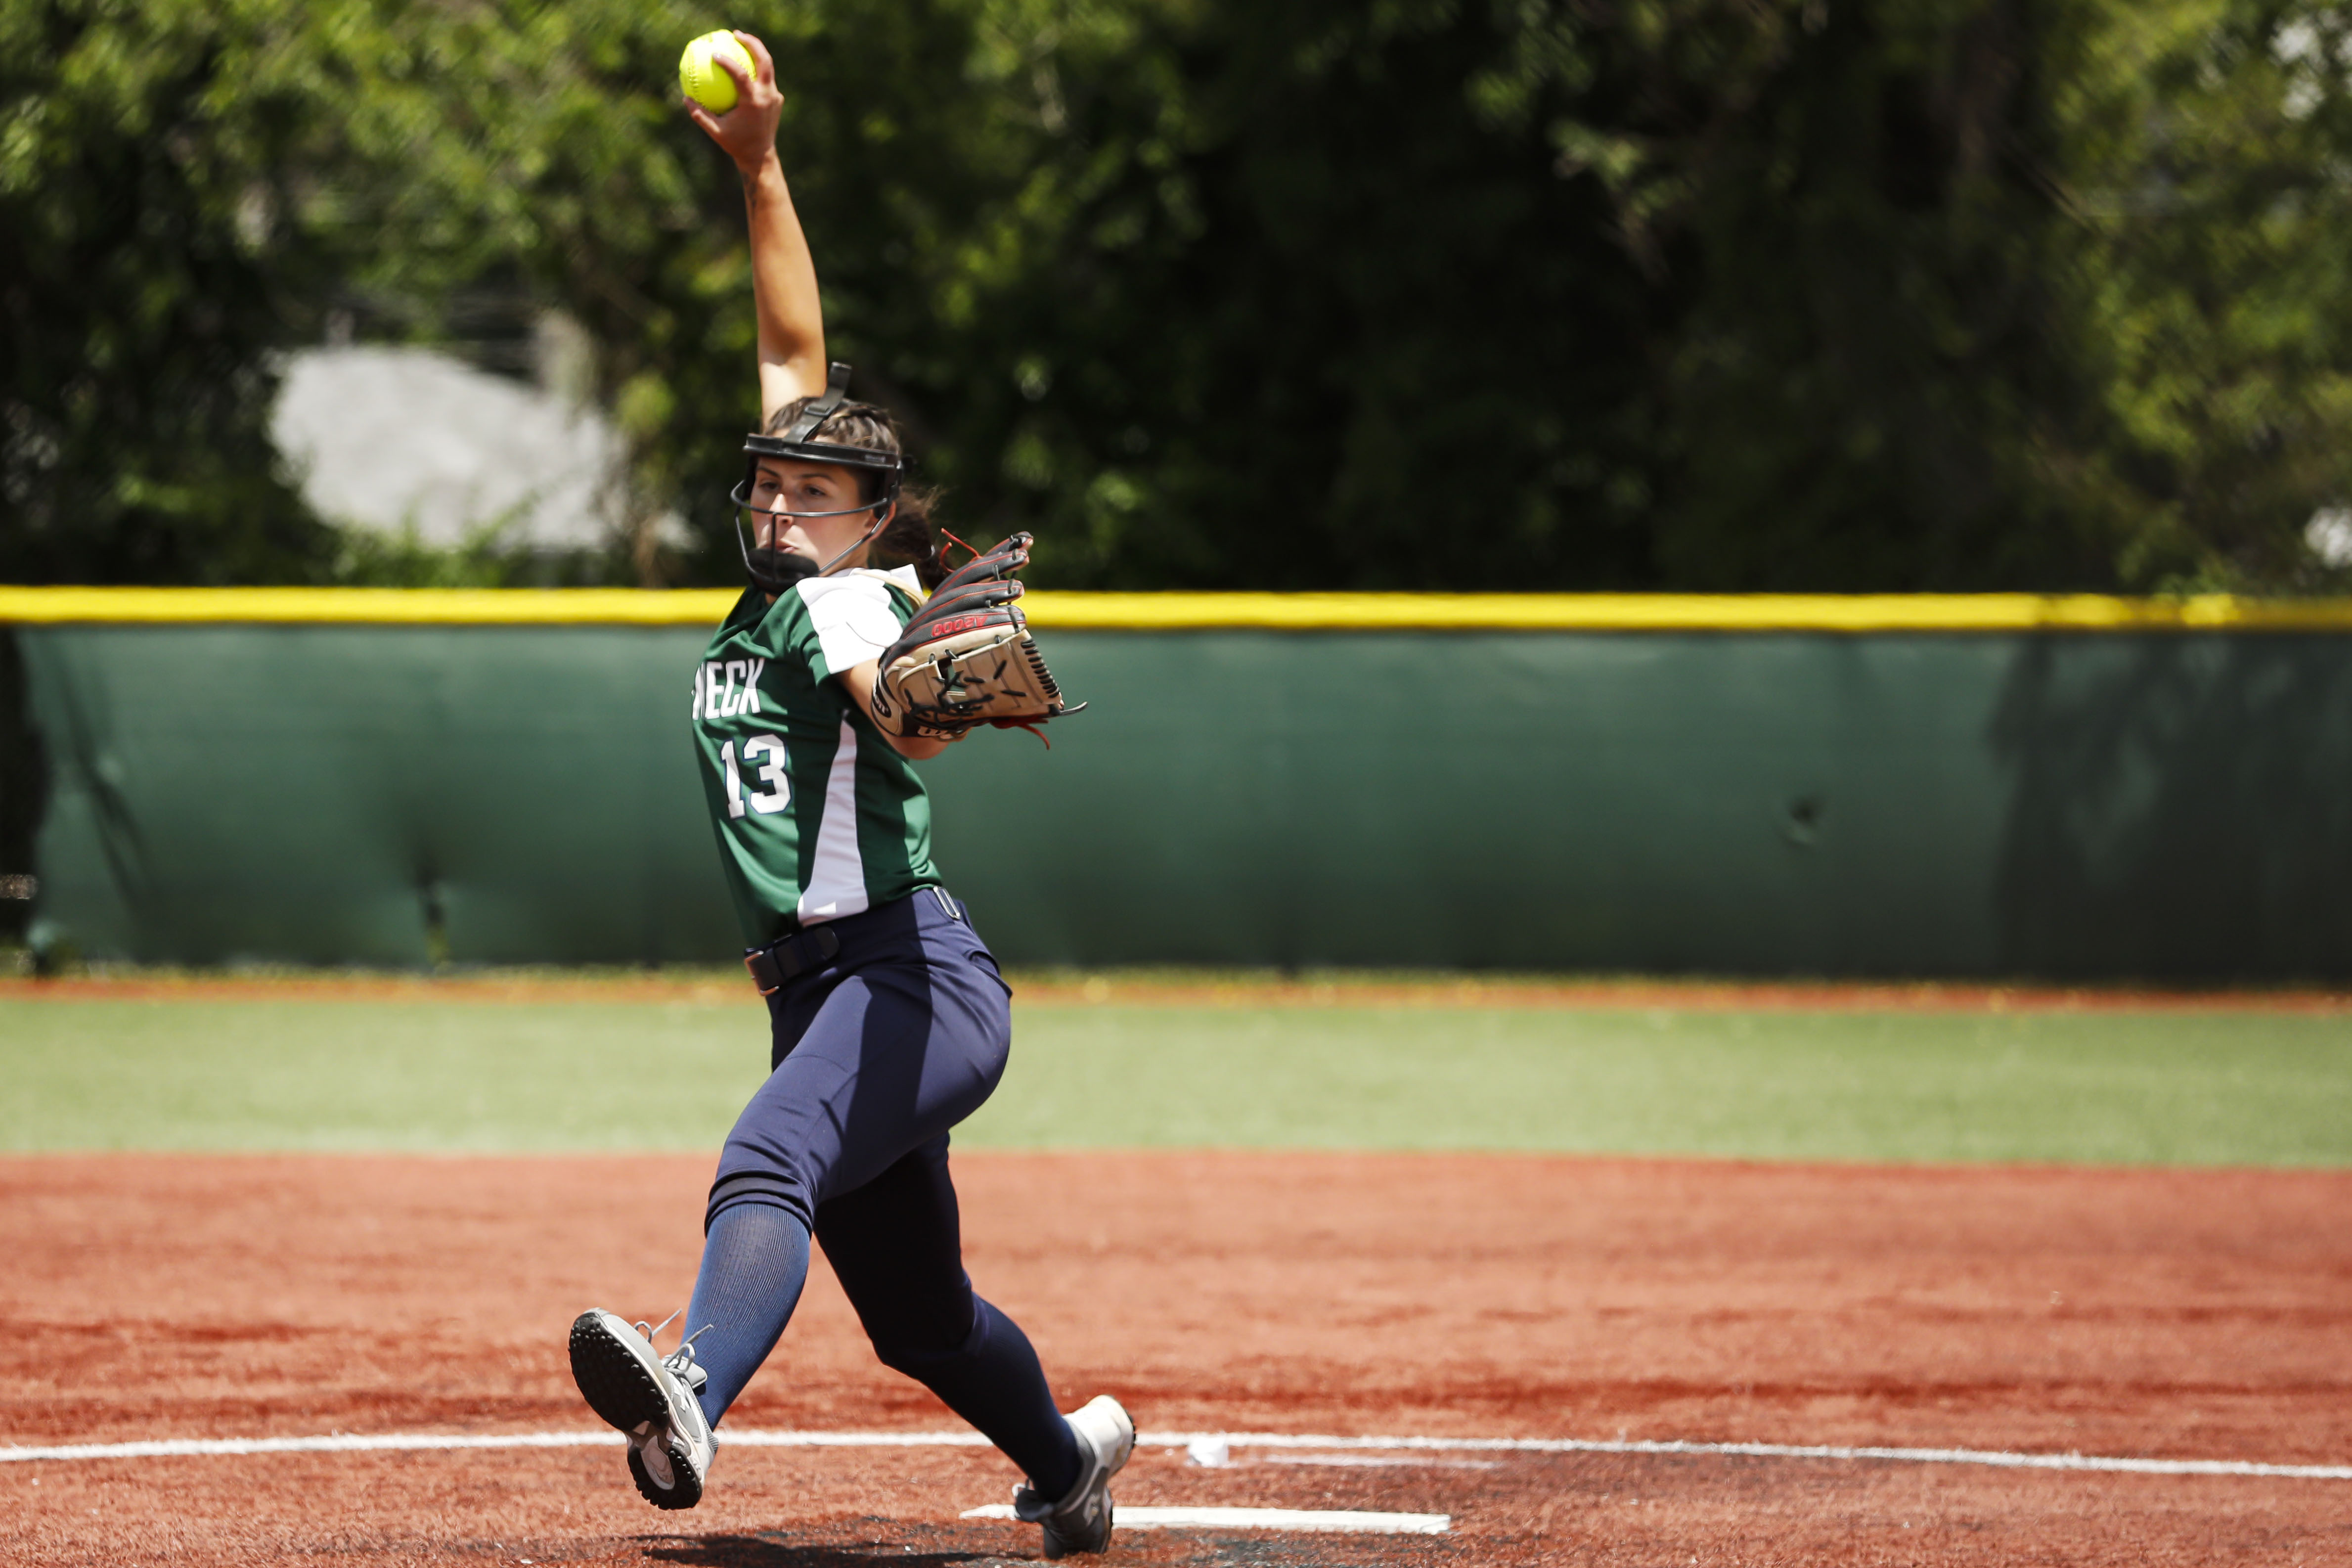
(1627, 294)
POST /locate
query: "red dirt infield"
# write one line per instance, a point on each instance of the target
(2174, 1314)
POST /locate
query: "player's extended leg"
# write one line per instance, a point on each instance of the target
(755, 1260)
(754, 1263)
(878, 1053)
(880, 1061)
(897, 1247)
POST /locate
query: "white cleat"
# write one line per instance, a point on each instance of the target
(652, 1398)
(1081, 1521)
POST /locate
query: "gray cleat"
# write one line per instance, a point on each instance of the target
(1081, 1520)
(652, 1398)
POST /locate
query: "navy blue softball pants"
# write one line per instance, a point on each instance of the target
(875, 1056)
(876, 1053)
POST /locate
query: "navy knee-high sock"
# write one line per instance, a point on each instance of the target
(754, 1261)
(992, 1380)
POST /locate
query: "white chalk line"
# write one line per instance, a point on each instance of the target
(1782, 1451)
(1342, 1521)
(1204, 1443)
(1373, 1461)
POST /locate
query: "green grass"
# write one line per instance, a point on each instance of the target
(2188, 1087)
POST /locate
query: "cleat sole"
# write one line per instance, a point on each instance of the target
(683, 1495)
(614, 1380)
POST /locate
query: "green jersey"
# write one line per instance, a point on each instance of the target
(818, 814)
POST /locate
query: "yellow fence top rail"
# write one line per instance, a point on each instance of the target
(1850, 613)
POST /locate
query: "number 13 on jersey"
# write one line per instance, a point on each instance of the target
(766, 752)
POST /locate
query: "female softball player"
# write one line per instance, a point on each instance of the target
(891, 1021)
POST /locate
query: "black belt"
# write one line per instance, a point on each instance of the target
(812, 947)
(789, 957)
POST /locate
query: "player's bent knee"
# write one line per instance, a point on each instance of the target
(777, 1189)
(921, 1351)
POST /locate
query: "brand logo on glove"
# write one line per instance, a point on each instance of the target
(949, 629)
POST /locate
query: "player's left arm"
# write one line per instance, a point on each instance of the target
(860, 679)
(783, 273)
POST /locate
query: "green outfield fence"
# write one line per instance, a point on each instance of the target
(1981, 786)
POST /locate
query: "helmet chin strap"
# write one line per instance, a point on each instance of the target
(773, 568)
(881, 516)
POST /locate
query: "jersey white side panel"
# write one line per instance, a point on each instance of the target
(837, 884)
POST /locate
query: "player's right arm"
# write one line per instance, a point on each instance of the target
(784, 274)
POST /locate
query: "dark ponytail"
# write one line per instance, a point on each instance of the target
(908, 535)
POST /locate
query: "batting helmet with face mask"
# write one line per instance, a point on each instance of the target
(772, 569)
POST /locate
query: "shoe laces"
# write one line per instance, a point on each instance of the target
(680, 1361)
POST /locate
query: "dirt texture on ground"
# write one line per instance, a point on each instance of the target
(2175, 1314)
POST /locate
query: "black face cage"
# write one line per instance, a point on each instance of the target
(776, 569)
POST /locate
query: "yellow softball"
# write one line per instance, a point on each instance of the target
(704, 79)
